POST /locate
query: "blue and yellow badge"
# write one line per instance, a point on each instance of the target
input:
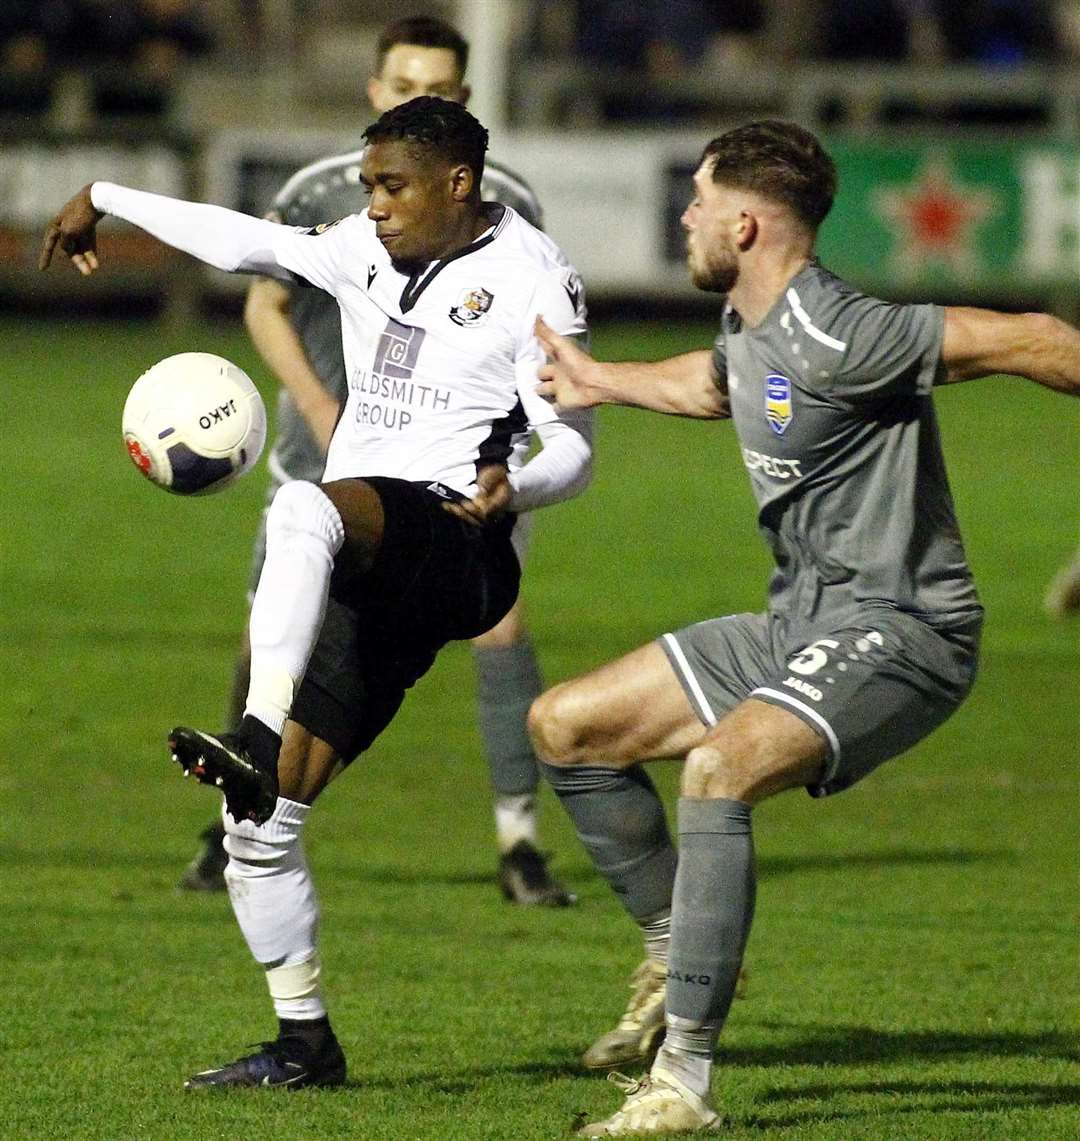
(778, 409)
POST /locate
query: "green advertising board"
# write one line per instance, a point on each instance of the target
(993, 220)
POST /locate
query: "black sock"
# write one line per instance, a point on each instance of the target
(313, 1031)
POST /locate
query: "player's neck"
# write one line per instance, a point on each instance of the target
(468, 227)
(762, 284)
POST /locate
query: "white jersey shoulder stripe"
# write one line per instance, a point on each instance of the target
(804, 320)
(503, 177)
(317, 167)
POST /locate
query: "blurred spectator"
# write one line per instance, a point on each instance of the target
(997, 33)
(145, 45)
(871, 30)
(126, 54)
(36, 37)
(657, 41)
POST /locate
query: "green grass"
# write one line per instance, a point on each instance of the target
(913, 965)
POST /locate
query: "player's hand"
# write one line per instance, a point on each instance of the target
(568, 378)
(74, 230)
(492, 497)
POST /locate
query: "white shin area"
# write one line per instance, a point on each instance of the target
(274, 901)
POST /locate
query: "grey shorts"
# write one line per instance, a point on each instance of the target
(872, 685)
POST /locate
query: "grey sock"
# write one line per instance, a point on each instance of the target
(507, 683)
(710, 921)
(619, 817)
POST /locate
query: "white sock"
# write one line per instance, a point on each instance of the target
(693, 1069)
(273, 899)
(515, 819)
(656, 931)
(304, 533)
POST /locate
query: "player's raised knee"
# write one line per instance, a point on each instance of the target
(554, 728)
(294, 504)
(709, 772)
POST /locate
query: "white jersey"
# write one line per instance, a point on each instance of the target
(441, 365)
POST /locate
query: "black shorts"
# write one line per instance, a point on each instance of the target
(435, 579)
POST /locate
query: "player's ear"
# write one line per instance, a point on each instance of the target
(466, 94)
(374, 90)
(746, 231)
(462, 181)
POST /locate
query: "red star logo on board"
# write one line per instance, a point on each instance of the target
(933, 219)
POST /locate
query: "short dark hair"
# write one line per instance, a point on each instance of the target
(777, 160)
(437, 124)
(424, 32)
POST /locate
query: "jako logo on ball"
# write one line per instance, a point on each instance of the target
(193, 423)
(215, 417)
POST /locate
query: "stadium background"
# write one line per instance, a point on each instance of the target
(913, 964)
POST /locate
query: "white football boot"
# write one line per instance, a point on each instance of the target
(641, 1028)
(640, 1032)
(656, 1103)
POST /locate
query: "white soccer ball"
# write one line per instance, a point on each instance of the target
(193, 423)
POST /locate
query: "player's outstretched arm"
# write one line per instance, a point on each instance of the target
(266, 315)
(225, 239)
(982, 342)
(685, 385)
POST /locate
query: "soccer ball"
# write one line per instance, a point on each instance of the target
(193, 423)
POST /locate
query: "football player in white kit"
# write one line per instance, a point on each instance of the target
(408, 537)
(298, 334)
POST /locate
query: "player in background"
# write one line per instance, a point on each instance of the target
(298, 335)
(871, 634)
(1063, 594)
(407, 543)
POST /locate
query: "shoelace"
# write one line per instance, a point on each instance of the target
(629, 1086)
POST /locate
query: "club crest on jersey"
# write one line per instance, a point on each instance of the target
(472, 307)
(778, 407)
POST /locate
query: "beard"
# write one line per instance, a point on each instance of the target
(712, 270)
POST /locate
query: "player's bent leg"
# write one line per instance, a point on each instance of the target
(307, 528)
(753, 751)
(507, 683)
(591, 731)
(273, 898)
(629, 710)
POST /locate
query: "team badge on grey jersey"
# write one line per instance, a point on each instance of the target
(778, 406)
(472, 307)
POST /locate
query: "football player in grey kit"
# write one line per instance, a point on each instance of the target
(871, 634)
(298, 333)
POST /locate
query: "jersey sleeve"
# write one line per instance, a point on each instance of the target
(317, 255)
(559, 298)
(888, 350)
(563, 467)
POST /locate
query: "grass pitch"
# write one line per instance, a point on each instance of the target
(914, 961)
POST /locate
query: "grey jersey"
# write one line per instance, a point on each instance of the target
(831, 400)
(323, 192)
